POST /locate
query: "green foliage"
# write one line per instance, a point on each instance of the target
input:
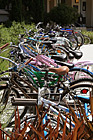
(63, 14)
(89, 34)
(11, 34)
(28, 11)
(4, 64)
(36, 9)
(4, 35)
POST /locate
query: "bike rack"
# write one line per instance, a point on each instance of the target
(23, 102)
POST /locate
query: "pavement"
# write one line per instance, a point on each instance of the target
(87, 52)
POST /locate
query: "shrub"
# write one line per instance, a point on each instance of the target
(89, 34)
(63, 14)
(11, 34)
(38, 129)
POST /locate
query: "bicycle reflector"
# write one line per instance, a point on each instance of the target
(84, 91)
(58, 51)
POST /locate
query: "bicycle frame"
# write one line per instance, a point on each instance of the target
(40, 77)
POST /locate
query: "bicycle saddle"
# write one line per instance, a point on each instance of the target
(59, 57)
(60, 71)
(54, 40)
(47, 42)
(69, 65)
(51, 34)
(77, 54)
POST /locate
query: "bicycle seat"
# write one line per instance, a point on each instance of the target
(77, 54)
(47, 42)
(59, 57)
(51, 34)
(21, 35)
(54, 40)
(69, 65)
(60, 71)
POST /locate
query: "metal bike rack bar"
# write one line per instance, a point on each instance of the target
(23, 102)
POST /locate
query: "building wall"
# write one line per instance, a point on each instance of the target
(51, 4)
(69, 2)
(77, 5)
(3, 18)
(85, 9)
(92, 15)
(89, 13)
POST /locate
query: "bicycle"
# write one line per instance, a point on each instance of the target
(50, 110)
(11, 86)
(46, 78)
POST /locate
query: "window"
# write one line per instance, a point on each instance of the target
(76, 1)
(62, 1)
(75, 6)
(84, 6)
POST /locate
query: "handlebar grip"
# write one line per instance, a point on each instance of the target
(4, 46)
(28, 61)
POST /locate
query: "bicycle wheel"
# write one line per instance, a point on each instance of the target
(7, 110)
(81, 91)
(73, 41)
(80, 39)
(79, 87)
(87, 40)
(50, 119)
(79, 73)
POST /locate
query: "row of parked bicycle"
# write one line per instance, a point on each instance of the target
(41, 70)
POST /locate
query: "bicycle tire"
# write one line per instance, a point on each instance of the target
(89, 80)
(82, 72)
(80, 83)
(87, 40)
(80, 39)
(7, 115)
(34, 121)
(73, 41)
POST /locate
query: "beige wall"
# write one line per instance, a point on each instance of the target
(92, 14)
(51, 4)
(69, 2)
(89, 13)
(79, 4)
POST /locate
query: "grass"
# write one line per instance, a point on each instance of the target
(4, 64)
(89, 34)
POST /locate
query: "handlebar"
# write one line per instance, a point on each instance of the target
(28, 61)
(38, 24)
(4, 46)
